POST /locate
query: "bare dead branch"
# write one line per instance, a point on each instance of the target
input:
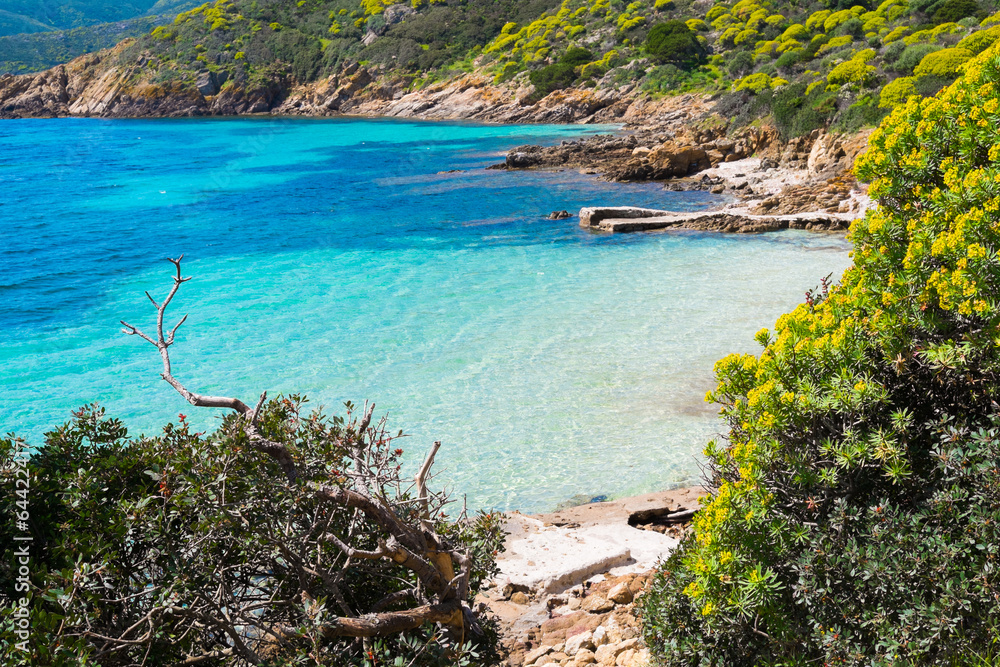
(162, 342)
(195, 659)
(421, 478)
(393, 622)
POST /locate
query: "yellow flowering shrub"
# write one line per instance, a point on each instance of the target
(946, 62)
(835, 43)
(896, 33)
(795, 31)
(815, 22)
(980, 40)
(864, 399)
(896, 92)
(715, 12)
(758, 82)
(836, 19)
(851, 72)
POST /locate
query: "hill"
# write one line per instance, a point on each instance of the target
(802, 65)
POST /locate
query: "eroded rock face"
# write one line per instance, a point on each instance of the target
(668, 160)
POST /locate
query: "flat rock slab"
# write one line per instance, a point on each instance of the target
(619, 219)
(549, 558)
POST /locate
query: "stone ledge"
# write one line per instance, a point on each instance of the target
(621, 219)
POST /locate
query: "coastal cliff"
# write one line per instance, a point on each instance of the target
(102, 85)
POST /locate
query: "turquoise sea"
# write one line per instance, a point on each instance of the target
(345, 260)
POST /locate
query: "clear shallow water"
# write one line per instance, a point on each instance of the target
(332, 258)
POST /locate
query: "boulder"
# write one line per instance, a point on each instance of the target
(583, 640)
(520, 160)
(532, 656)
(620, 593)
(668, 160)
(206, 84)
(597, 604)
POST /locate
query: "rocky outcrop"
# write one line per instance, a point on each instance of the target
(621, 219)
(668, 160)
(569, 581)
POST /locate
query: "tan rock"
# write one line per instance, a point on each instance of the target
(519, 598)
(606, 654)
(639, 659)
(584, 657)
(579, 641)
(532, 656)
(625, 657)
(597, 604)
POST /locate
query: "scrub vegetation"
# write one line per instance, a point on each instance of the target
(856, 513)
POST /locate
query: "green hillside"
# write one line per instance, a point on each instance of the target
(42, 15)
(805, 65)
(33, 52)
(31, 45)
(801, 65)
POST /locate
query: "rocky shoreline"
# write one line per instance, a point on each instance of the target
(569, 581)
(783, 181)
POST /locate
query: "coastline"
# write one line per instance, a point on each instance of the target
(678, 140)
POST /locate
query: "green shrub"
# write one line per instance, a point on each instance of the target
(946, 62)
(739, 64)
(576, 56)
(911, 57)
(930, 85)
(673, 42)
(158, 533)
(864, 112)
(789, 59)
(552, 77)
(956, 10)
(855, 512)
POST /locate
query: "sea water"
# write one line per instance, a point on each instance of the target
(354, 259)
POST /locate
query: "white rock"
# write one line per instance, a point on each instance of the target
(576, 642)
(600, 635)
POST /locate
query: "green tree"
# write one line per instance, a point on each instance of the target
(673, 42)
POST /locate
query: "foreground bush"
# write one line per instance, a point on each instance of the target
(284, 537)
(856, 511)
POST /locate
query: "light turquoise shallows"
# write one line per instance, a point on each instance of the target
(331, 258)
